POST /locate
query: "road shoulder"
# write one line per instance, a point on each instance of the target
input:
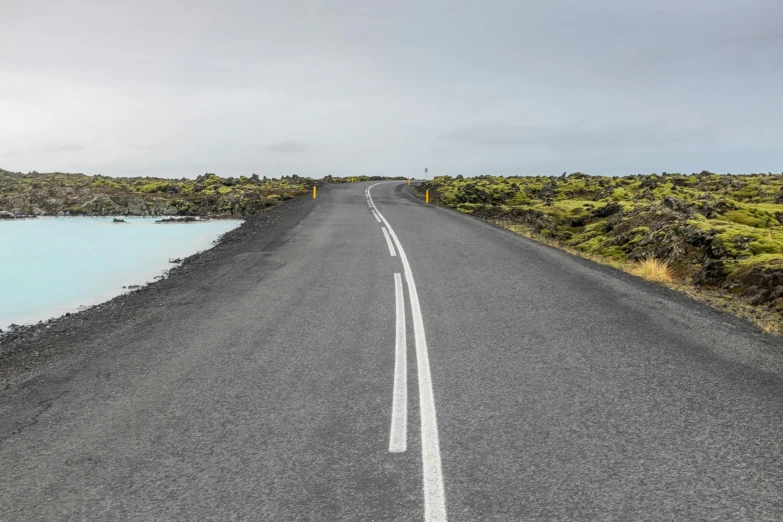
(39, 349)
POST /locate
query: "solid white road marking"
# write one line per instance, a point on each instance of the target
(375, 216)
(399, 421)
(388, 242)
(434, 493)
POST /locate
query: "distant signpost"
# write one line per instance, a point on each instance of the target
(425, 174)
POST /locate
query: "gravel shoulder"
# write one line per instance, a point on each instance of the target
(31, 350)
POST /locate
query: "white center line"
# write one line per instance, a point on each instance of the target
(399, 421)
(375, 216)
(388, 242)
(434, 493)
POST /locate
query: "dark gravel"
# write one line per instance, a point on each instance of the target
(25, 348)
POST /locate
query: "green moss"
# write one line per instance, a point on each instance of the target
(763, 259)
(743, 218)
(592, 245)
(570, 205)
(101, 182)
(680, 218)
(615, 252)
(468, 208)
(765, 247)
(619, 194)
(769, 208)
(156, 186)
(745, 193)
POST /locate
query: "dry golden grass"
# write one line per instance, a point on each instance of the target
(652, 269)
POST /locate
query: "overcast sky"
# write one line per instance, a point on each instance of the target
(173, 89)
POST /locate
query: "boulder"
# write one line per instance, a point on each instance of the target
(712, 273)
(677, 205)
(185, 219)
(607, 210)
(761, 284)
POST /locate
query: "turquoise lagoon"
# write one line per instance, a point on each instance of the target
(50, 266)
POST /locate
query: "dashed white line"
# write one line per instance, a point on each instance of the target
(399, 421)
(388, 242)
(434, 493)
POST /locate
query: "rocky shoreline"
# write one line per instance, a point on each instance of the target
(117, 218)
(24, 348)
(4, 215)
(185, 219)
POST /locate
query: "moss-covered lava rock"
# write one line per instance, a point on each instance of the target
(207, 195)
(715, 230)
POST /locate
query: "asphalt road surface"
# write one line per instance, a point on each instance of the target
(390, 360)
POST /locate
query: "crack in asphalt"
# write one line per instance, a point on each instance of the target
(47, 404)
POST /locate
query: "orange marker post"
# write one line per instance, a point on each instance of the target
(313, 191)
(426, 197)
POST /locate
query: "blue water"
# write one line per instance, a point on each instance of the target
(50, 266)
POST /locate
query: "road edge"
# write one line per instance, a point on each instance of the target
(674, 293)
(27, 350)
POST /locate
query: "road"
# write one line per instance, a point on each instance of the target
(407, 364)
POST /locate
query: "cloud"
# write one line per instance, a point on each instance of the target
(67, 146)
(738, 38)
(563, 137)
(287, 147)
(352, 87)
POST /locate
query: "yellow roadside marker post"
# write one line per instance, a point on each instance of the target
(351, 179)
(426, 197)
(409, 181)
(313, 191)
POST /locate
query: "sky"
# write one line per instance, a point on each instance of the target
(512, 87)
